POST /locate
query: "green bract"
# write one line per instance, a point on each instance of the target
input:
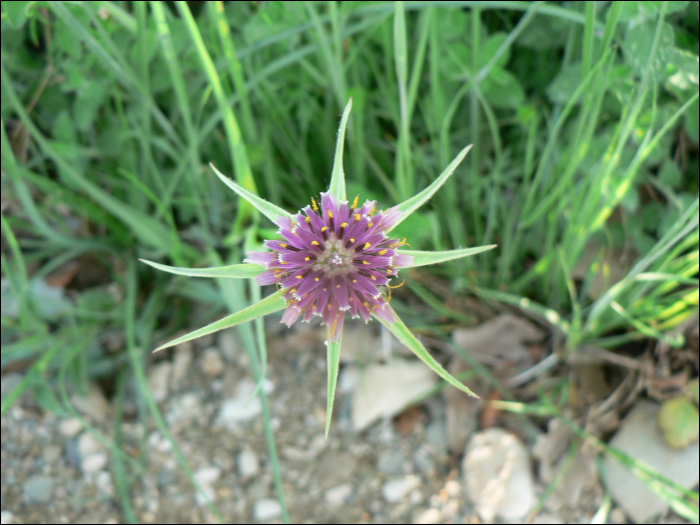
(284, 299)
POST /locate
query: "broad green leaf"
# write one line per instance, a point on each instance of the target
(403, 334)
(270, 304)
(425, 258)
(409, 206)
(235, 271)
(333, 366)
(337, 185)
(637, 46)
(16, 12)
(266, 208)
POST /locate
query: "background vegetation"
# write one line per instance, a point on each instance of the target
(583, 116)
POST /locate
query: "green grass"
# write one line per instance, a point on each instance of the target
(582, 119)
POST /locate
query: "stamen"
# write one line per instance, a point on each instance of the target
(354, 203)
(313, 204)
(367, 246)
(357, 217)
(383, 252)
(315, 243)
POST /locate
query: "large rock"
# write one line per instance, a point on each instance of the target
(497, 474)
(640, 437)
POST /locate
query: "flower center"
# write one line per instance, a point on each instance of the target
(336, 259)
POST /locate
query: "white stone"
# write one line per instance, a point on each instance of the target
(428, 517)
(639, 436)
(248, 465)
(94, 462)
(338, 495)
(94, 405)
(207, 475)
(497, 474)
(6, 517)
(396, 489)
(241, 407)
(385, 390)
(70, 427)
(159, 378)
(267, 509)
(88, 444)
(182, 364)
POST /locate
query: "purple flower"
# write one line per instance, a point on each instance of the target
(333, 260)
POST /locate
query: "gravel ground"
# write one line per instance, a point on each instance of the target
(399, 470)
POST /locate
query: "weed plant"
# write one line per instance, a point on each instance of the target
(584, 121)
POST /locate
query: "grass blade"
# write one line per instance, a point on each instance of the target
(337, 185)
(235, 271)
(426, 258)
(271, 304)
(333, 367)
(403, 334)
(268, 209)
(409, 206)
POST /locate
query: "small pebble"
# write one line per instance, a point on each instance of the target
(248, 465)
(88, 444)
(7, 517)
(428, 517)
(207, 475)
(70, 427)
(211, 362)
(396, 489)
(95, 462)
(37, 489)
(267, 509)
(338, 495)
(159, 378)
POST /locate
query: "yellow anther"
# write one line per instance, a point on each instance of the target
(313, 204)
(354, 203)
(307, 258)
(374, 208)
(294, 290)
(370, 224)
(344, 225)
(308, 220)
(373, 277)
(354, 280)
(317, 279)
(316, 243)
(382, 252)
(367, 246)
(357, 216)
(352, 240)
(283, 245)
(300, 276)
(350, 299)
(337, 286)
(283, 262)
(330, 214)
(324, 228)
(365, 262)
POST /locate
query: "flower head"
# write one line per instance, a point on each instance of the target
(333, 260)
